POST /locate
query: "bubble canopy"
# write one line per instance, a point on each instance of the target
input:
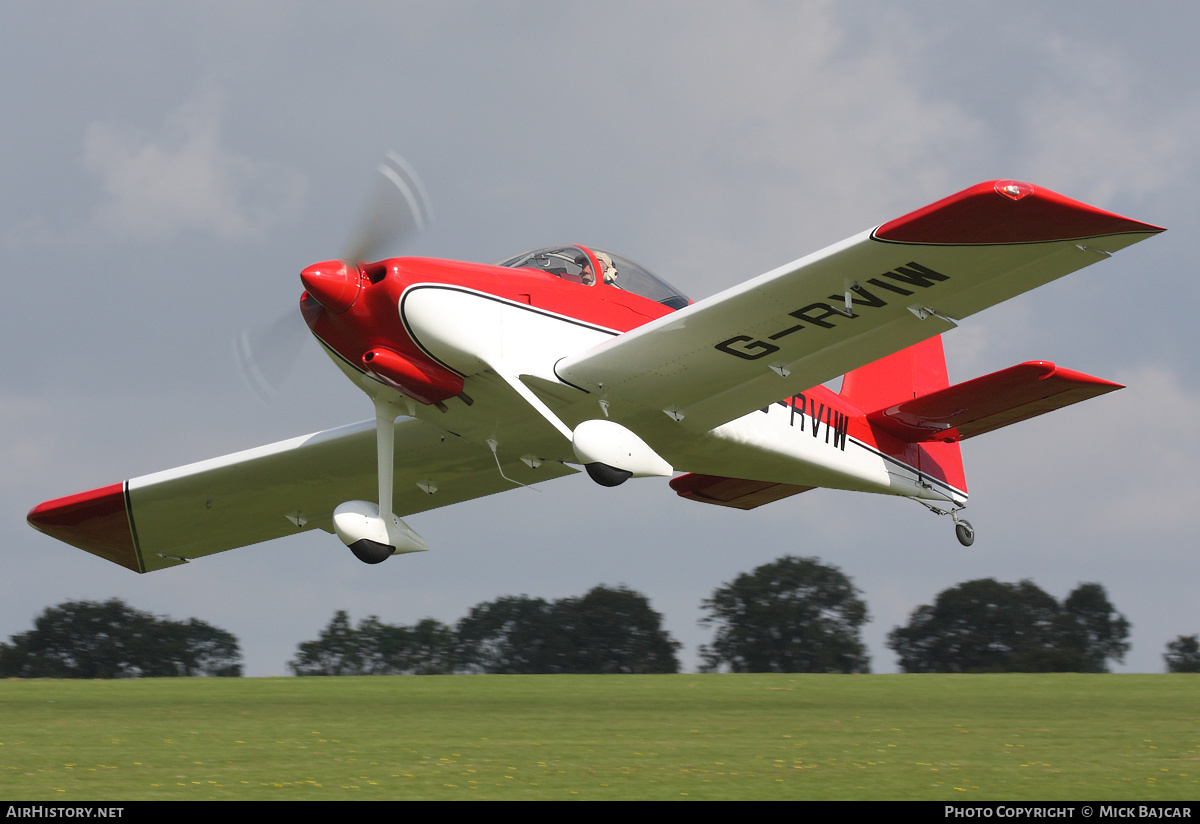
(579, 264)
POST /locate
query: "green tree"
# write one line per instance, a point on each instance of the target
(605, 631)
(513, 634)
(989, 626)
(425, 648)
(1093, 628)
(87, 639)
(376, 648)
(1183, 654)
(793, 615)
(336, 651)
(612, 631)
(979, 626)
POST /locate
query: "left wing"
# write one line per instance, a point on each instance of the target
(171, 517)
(848, 305)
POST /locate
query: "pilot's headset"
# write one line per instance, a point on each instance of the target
(606, 265)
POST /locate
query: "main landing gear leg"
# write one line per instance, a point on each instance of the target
(371, 530)
(962, 527)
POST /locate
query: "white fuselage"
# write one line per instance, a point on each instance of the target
(478, 334)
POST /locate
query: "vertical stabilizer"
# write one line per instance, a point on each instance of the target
(907, 374)
(910, 373)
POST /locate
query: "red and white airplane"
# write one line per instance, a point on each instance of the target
(570, 356)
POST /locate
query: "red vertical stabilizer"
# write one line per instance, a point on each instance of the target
(910, 373)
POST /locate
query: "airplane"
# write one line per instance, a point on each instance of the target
(490, 377)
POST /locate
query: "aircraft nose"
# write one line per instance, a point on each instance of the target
(334, 284)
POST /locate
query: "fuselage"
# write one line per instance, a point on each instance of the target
(427, 335)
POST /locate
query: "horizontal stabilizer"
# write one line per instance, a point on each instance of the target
(989, 402)
(738, 493)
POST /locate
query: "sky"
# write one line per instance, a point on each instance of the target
(168, 169)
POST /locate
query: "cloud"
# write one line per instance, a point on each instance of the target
(1092, 126)
(779, 132)
(1123, 464)
(183, 180)
(1159, 487)
(31, 231)
(33, 446)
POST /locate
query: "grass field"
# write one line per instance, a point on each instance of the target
(952, 737)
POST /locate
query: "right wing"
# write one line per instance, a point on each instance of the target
(788, 330)
(171, 517)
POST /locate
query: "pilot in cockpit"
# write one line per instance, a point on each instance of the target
(586, 275)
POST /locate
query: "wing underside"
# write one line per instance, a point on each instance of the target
(165, 519)
(851, 304)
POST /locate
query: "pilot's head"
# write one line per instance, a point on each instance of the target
(585, 270)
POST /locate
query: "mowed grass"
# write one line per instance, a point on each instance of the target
(952, 737)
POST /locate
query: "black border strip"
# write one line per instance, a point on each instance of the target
(505, 301)
(920, 475)
(934, 244)
(137, 544)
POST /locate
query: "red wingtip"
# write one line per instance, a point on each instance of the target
(1007, 211)
(96, 521)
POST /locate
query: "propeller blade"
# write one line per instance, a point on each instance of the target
(399, 210)
(265, 356)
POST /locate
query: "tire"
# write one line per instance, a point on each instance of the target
(371, 552)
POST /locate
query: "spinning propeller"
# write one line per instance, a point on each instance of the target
(397, 212)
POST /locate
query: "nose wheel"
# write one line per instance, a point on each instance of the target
(965, 533)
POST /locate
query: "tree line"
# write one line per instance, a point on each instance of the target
(791, 615)
(608, 630)
(89, 639)
(990, 626)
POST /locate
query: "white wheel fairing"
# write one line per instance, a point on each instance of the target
(354, 521)
(608, 442)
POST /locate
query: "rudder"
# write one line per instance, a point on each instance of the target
(910, 373)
